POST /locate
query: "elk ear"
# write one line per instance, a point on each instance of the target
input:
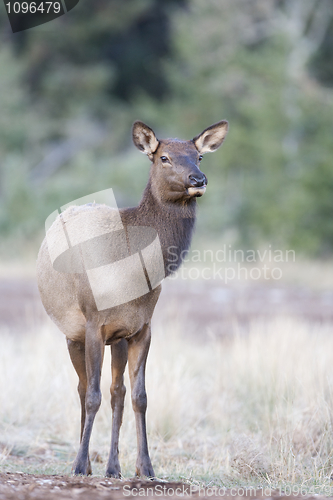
(144, 138)
(211, 138)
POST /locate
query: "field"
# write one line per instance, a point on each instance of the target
(239, 382)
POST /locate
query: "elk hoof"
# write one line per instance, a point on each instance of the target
(144, 468)
(113, 472)
(82, 470)
(113, 467)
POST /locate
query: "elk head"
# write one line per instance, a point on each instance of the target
(175, 173)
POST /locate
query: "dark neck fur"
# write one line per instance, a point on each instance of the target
(173, 221)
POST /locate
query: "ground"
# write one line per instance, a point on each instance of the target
(201, 305)
(20, 486)
(27, 486)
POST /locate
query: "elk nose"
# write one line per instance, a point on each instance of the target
(197, 181)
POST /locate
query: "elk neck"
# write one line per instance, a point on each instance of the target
(173, 221)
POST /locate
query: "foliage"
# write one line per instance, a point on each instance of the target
(70, 92)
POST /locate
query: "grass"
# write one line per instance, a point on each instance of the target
(251, 409)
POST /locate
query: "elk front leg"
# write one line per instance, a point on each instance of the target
(77, 355)
(118, 391)
(138, 348)
(94, 351)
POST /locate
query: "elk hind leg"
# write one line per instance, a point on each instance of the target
(138, 348)
(77, 354)
(118, 391)
(94, 352)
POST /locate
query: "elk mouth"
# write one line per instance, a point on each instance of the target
(196, 191)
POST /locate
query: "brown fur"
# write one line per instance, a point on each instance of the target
(167, 207)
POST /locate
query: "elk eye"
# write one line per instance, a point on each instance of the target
(165, 159)
(200, 157)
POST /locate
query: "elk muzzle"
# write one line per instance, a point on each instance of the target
(198, 185)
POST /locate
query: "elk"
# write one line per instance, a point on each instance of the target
(168, 210)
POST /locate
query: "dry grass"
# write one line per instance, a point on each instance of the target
(255, 408)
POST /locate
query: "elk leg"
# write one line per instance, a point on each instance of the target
(94, 351)
(138, 348)
(77, 355)
(118, 391)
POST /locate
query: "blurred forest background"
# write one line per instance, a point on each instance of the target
(71, 89)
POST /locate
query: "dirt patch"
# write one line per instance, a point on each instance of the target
(19, 486)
